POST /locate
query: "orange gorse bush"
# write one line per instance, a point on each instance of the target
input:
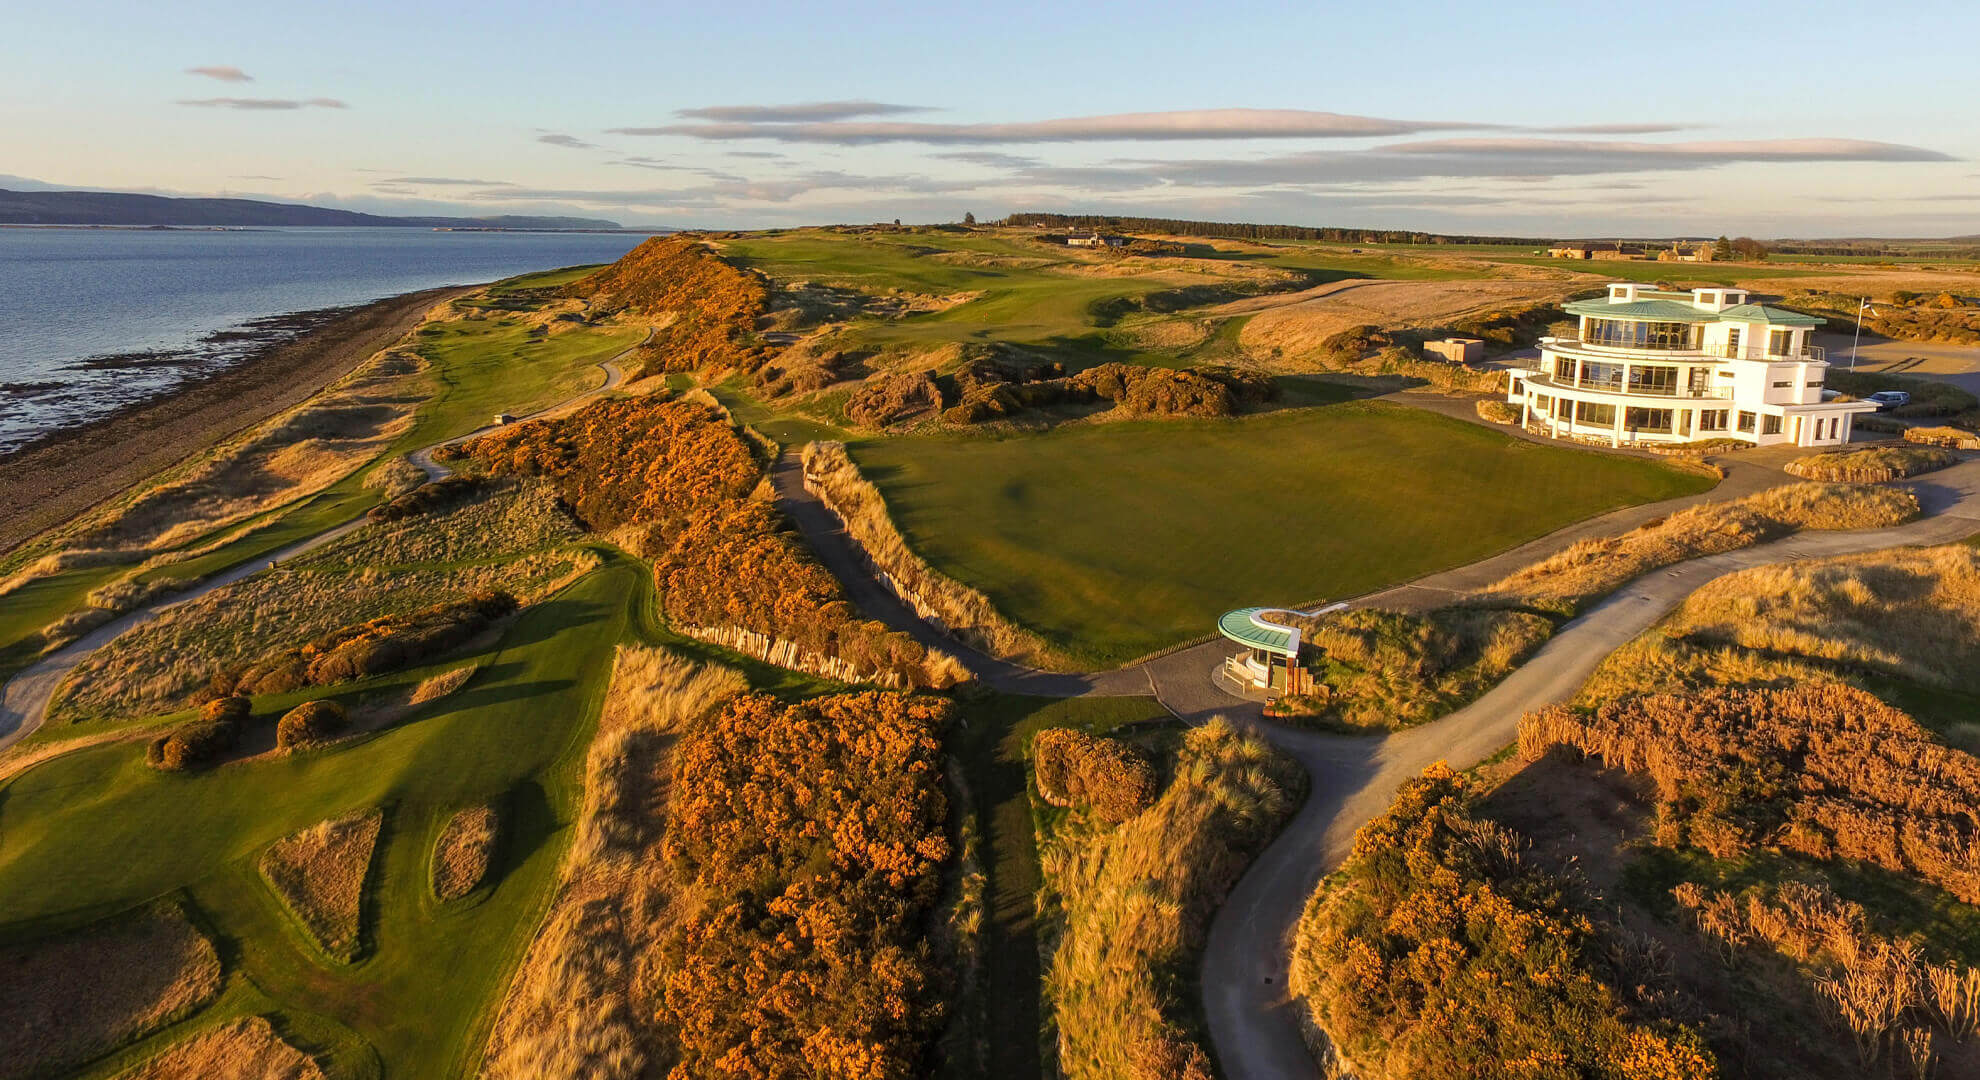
(1439, 952)
(681, 472)
(714, 305)
(815, 832)
(1822, 769)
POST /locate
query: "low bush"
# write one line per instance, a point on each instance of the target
(1438, 952)
(309, 722)
(1112, 778)
(1498, 412)
(714, 306)
(1136, 901)
(1823, 770)
(1872, 465)
(1591, 569)
(202, 740)
(429, 498)
(370, 648)
(1950, 438)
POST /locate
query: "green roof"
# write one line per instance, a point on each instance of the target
(1250, 627)
(1683, 311)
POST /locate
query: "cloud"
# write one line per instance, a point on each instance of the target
(568, 142)
(266, 104)
(1615, 129)
(1655, 155)
(445, 181)
(989, 158)
(221, 72)
(803, 112)
(768, 155)
(1152, 126)
(252, 176)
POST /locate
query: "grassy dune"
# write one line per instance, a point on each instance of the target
(1114, 540)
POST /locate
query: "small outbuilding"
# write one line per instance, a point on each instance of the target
(1457, 350)
(1270, 660)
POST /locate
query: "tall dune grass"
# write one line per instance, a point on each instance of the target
(585, 1004)
(1137, 899)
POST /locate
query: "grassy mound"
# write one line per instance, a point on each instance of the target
(319, 874)
(246, 1049)
(462, 853)
(1872, 465)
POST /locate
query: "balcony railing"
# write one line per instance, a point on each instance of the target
(1812, 353)
(1607, 386)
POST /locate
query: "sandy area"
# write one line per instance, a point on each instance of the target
(52, 481)
(1297, 322)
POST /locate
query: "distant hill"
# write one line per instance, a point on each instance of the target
(115, 208)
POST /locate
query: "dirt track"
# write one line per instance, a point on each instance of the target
(52, 481)
(1299, 322)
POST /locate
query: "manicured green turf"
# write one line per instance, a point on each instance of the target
(1648, 271)
(99, 831)
(1113, 540)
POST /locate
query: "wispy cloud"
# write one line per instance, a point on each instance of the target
(252, 176)
(265, 104)
(445, 181)
(1151, 126)
(767, 155)
(1615, 129)
(222, 72)
(568, 142)
(801, 112)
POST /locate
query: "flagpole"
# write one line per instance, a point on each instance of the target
(1860, 305)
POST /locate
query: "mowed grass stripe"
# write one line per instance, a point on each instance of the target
(1114, 540)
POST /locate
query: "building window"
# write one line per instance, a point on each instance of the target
(1518, 387)
(1593, 412)
(1770, 425)
(1780, 343)
(1815, 384)
(1653, 379)
(1712, 419)
(1629, 334)
(1541, 402)
(1656, 421)
(1783, 384)
(1597, 376)
(1732, 342)
(1564, 368)
(1746, 422)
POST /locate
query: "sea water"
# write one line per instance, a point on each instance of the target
(93, 319)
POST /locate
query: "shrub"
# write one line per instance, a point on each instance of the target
(227, 710)
(428, 498)
(1136, 902)
(197, 742)
(1871, 466)
(370, 648)
(309, 722)
(1825, 770)
(1076, 769)
(816, 832)
(1380, 669)
(1437, 952)
(1498, 412)
(714, 306)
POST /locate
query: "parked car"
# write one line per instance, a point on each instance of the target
(1886, 400)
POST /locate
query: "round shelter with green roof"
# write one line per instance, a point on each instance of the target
(1267, 642)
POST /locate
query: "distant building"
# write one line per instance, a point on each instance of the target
(1570, 251)
(1699, 252)
(1457, 350)
(1649, 366)
(1096, 240)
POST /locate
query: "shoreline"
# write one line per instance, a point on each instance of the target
(59, 476)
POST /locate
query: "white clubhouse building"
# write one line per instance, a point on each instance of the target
(1650, 366)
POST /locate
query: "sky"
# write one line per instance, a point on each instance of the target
(1806, 119)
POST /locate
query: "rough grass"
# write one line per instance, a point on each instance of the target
(959, 609)
(464, 850)
(1594, 568)
(1386, 670)
(516, 517)
(1913, 613)
(1871, 465)
(319, 874)
(439, 686)
(155, 666)
(1114, 540)
(66, 1000)
(584, 1004)
(1136, 900)
(245, 1049)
